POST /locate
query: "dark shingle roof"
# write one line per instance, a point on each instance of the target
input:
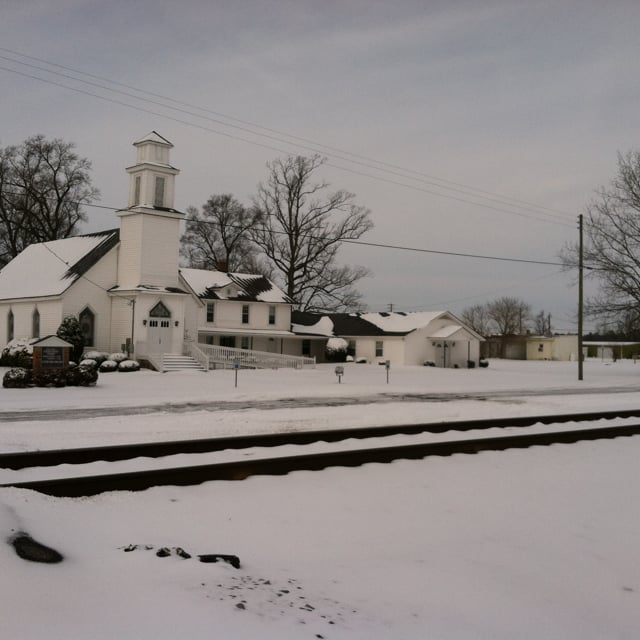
(111, 239)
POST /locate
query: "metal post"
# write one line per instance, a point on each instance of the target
(580, 300)
(133, 327)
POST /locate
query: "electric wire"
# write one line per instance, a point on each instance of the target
(278, 149)
(501, 198)
(378, 245)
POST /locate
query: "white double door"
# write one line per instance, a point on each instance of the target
(159, 335)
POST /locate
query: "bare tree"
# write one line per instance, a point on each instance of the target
(612, 243)
(509, 316)
(542, 324)
(218, 237)
(44, 186)
(302, 229)
(477, 317)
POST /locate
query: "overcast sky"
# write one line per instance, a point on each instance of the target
(529, 101)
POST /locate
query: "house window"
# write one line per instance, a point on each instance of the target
(351, 348)
(158, 200)
(208, 340)
(87, 321)
(272, 314)
(211, 308)
(10, 325)
(35, 324)
(136, 190)
(244, 342)
(306, 347)
(227, 341)
(379, 349)
(245, 314)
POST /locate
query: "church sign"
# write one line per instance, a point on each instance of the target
(51, 353)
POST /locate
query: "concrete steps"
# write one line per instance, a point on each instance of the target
(175, 362)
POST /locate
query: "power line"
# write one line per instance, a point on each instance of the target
(378, 245)
(503, 200)
(420, 175)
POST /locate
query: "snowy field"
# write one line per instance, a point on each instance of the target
(539, 543)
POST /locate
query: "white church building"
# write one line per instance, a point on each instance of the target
(128, 292)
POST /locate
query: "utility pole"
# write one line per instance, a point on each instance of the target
(580, 299)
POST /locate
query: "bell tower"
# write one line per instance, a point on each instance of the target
(150, 226)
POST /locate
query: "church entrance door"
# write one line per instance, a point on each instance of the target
(159, 329)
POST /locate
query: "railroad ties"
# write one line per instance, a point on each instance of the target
(242, 469)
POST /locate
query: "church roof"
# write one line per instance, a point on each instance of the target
(50, 268)
(153, 136)
(213, 285)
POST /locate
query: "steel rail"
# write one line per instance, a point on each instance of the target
(240, 470)
(112, 453)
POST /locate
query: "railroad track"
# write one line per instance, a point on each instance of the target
(239, 470)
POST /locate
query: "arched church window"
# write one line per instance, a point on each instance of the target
(10, 325)
(35, 323)
(87, 320)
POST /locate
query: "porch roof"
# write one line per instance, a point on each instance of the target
(247, 332)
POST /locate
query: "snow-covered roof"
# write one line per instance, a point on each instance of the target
(153, 136)
(50, 268)
(51, 341)
(398, 323)
(323, 327)
(401, 322)
(446, 332)
(216, 285)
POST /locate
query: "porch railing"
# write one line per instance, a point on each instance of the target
(228, 357)
(191, 349)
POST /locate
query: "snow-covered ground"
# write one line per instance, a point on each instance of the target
(538, 543)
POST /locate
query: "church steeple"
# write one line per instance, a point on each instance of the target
(150, 226)
(152, 178)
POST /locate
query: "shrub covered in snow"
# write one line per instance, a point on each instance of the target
(336, 350)
(52, 378)
(361, 361)
(89, 362)
(118, 357)
(129, 365)
(70, 331)
(98, 356)
(18, 353)
(17, 378)
(108, 365)
(84, 375)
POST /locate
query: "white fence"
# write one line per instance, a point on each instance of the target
(216, 357)
(228, 358)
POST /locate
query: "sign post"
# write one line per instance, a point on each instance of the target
(236, 366)
(387, 366)
(339, 373)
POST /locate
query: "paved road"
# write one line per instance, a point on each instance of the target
(288, 403)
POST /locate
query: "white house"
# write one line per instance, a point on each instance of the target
(127, 290)
(412, 338)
